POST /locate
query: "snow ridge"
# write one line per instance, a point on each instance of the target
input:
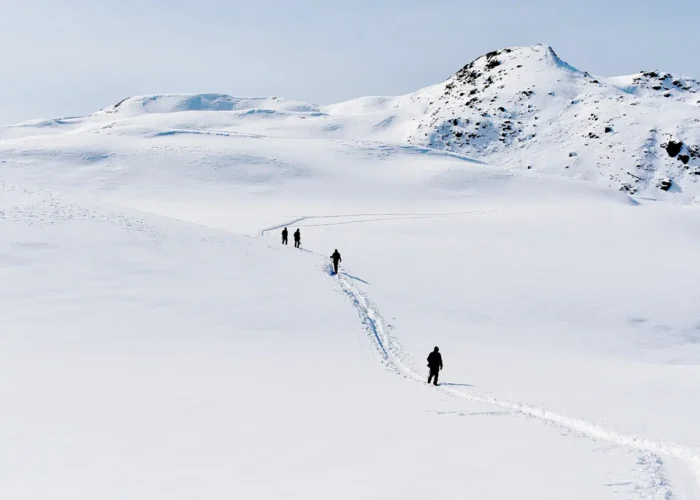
(174, 103)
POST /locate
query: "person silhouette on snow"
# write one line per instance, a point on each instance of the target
(285, 236)
(297, 238)
(435, 365)
(336, 260)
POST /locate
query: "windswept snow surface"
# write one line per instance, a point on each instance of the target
(157, 341)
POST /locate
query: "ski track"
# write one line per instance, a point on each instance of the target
(375, 218)
(390, 353)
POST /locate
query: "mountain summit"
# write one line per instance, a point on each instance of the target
(526, 108)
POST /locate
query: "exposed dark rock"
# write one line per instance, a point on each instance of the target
(673, 148)
(468, 76)
(684, 158)
(665, 184)
(608, 130)
(493, 63)
(121, 102)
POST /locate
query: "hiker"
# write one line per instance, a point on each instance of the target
(435, 365)
(297, 238)
(336, 260)
(285, 236)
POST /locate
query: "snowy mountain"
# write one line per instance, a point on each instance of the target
(158, 341)
(525, 108)
(518, 108)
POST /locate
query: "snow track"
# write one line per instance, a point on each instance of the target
(387, 348)
(363, 218)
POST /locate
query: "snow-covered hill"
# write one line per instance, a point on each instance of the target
(525, 108)
(158, 341)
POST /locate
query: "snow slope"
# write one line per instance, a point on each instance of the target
(157, 341)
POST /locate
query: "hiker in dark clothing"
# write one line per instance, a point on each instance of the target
(285, 236)
(336, 260)
(297, 238)
(435, 365)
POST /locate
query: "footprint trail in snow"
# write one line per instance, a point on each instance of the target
(390, 353)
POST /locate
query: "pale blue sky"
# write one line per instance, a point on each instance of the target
(72, 57)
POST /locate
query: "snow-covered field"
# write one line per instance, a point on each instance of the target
(158, 341)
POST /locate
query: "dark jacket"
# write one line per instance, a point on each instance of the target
(285, 233)
(435, 360)
(297, 235)
(336, 257)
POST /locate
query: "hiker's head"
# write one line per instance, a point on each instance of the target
(436, 349)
